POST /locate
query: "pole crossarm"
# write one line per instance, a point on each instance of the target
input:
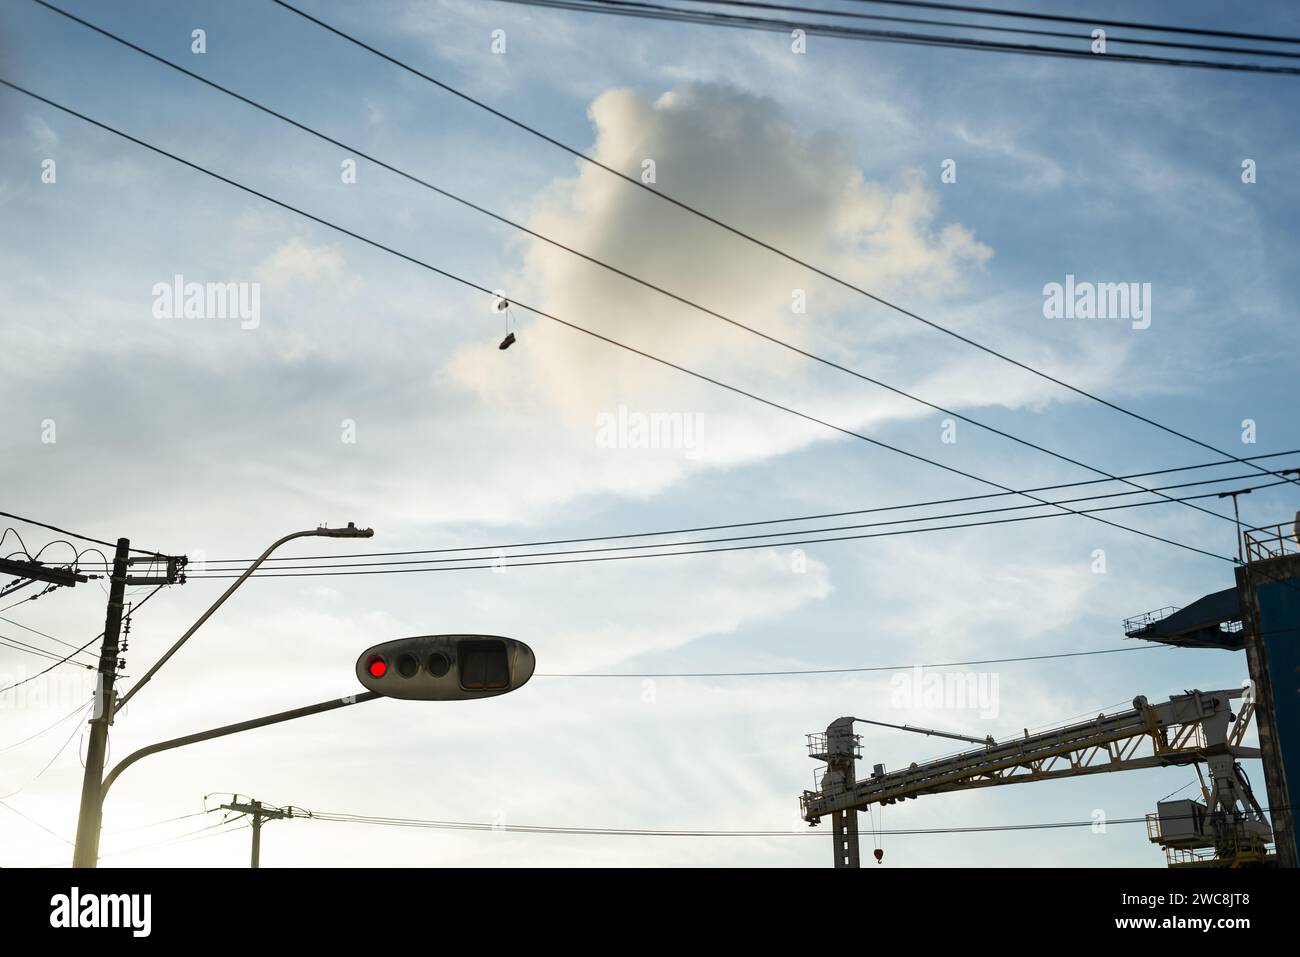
(1186, 729)
(37, 571)
(265, 811)
(227, 729)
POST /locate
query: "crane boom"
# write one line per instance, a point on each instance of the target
(1187, 729)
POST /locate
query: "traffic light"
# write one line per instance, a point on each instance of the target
(446, 667)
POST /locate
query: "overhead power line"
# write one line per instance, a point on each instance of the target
(574, 326)
(83, 710)
(32, 737)
(671, 14)
(67, 659)
(219, 562)
(1088, 21)
(212, 830)
(66, 644)
(49, 587)
(988, 28)
(29, 820)
(332, 561)
(842, 671)
(84, 538)
(749, 237)
(421, 823)
(516, 560)
(17, 584)
(607, 266)
(121, 830)
(30, 649)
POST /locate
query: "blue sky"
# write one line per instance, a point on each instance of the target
(199, 437)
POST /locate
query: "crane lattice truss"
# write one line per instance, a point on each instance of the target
(1185, 730)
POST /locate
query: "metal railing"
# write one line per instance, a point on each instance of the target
(1271, 541)
(1147, 620)
(819, 745)
(1183, 856)
(1237, 853)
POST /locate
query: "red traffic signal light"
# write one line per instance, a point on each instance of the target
(446, 667)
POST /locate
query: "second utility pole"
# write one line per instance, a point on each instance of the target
(260, 812)
(86, 853)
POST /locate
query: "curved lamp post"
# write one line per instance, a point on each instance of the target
(86, 852)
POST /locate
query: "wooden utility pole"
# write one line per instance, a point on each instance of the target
(86, 853)
(261, 812)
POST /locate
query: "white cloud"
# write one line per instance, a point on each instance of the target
(736, 156)
(299, 261)
(1025, 167)
(42, 137)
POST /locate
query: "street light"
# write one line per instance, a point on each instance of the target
(86, 852)
(351, 531)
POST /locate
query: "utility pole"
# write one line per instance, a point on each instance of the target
(86, 853)
(260, 812)
(94, 784)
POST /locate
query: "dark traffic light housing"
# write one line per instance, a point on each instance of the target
(446, 667)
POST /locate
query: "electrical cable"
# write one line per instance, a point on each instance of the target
(580, 155)
(219, 562)
(18, 584)
(514, 562)
(212, 830)
(613, 269)
(65, 644)
(32, 737)
(420, 823)
(838, 671)
(570, 325)
(10, 807)
(66, 660)
(121, 830)
(84, 709)
(987, 28)
(329, 562)
(45, 591)
(10, 530)
(84, 538)
(1088, 21)
(660, 12)
(16, 645)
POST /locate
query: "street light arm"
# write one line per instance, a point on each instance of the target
(351, 531)
(224, 730)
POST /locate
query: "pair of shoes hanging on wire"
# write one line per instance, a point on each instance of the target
(503, 305)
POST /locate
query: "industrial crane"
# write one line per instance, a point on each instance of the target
(1226, 828)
